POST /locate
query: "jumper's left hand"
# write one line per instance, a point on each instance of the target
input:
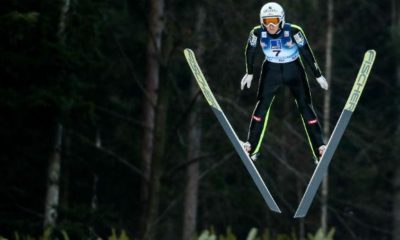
(322, 82)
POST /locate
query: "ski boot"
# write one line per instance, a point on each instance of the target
(321, 151)
(247, 147)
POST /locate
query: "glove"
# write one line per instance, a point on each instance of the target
(246, 80)
(322, 82)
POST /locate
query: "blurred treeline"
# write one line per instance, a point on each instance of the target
(102, 126)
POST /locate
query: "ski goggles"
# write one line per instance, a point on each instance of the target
(271, 20)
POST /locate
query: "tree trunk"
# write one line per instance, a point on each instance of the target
(156, 25)
(65, 180)
(94, 199)
(53, 176)
(63, 21)
(194, 143)
(54, 167)
(95, 177)
(396, 179)
(327, 110)
(158, 155)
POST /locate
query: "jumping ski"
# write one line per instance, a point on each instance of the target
(337, 134)
(201, 81)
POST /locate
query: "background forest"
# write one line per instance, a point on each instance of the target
(102, 126)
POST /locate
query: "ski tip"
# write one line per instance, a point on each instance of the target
(187, 50)
(371, 52)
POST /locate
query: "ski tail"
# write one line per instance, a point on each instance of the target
(322, 167)
(198, 74)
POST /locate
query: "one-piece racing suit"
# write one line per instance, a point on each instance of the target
(282, 66)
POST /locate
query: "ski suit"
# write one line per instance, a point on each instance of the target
(284, 52)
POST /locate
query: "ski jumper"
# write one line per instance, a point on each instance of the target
(284, 52)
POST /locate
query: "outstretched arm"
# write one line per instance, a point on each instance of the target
(251, 47)
(305, 50)
(250, 53)
(307, 54)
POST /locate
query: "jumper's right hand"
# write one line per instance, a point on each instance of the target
(246, 80)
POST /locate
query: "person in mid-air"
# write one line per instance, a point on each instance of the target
(286, 49)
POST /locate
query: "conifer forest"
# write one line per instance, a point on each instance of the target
(105, 133)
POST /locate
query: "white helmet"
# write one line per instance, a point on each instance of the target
(272, 13)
